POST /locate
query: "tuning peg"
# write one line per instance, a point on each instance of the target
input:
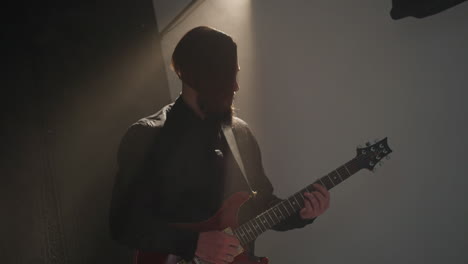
(359, 146)
(368, 144)
(376, 140)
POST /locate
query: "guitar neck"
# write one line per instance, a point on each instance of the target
(278, 213)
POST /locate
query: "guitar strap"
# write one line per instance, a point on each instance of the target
(231, 140)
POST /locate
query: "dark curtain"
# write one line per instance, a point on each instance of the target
(75, 75)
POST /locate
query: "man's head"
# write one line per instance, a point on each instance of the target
(206, 60)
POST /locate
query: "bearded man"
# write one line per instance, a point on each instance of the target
(176, 166)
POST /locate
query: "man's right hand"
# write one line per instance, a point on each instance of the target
(217, 247)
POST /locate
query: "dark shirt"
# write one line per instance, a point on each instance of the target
(177, 168)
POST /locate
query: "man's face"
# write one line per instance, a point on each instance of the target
(221, 106)
(233, 90)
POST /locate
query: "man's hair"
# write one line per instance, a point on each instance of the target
(205, 53)
(206, 60)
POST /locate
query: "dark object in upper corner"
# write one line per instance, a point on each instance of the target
(420, 8)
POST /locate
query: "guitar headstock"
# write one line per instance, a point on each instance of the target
(368, 157)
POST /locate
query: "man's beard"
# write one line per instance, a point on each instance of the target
(217, 110)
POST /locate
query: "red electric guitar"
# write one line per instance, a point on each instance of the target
(226, 218)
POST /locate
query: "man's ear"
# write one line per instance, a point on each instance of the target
(178, 74)
(187, 78)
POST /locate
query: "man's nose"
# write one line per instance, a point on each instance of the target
(236, 87)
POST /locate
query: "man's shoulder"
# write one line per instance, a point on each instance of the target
(238, 123)
(147, 128)
(241, 128)
(155, 121)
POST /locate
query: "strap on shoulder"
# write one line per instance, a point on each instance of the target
(231, 140)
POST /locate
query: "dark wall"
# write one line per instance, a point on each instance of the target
(75, 76)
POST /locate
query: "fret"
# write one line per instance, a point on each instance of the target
(344, 172)
(294, 202)
(267, 213)
(292, 207)
(257, 226)
(260, 224)
(334, 175)
(301, 199)
(346, 167)
(287, 211)
(321, 182)
(295, 199)
(265, 220)
(273, 217)
(249, 231)
(243, 235)
(281, 216)
(278, 208)
(252, 228)
(339, 175)
(239, 236)
(352, 166)
(328, 184)
(263, 223)
(282, 210)
(328, 175)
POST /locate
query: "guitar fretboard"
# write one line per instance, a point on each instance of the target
(281, 211)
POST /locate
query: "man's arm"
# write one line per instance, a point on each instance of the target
(133, 218)
(265, 190)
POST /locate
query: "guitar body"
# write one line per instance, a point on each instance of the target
(224, 219)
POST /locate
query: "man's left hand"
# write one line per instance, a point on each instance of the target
(316, 202)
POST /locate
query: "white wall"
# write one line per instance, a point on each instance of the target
(320, 77)
(167, 10)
